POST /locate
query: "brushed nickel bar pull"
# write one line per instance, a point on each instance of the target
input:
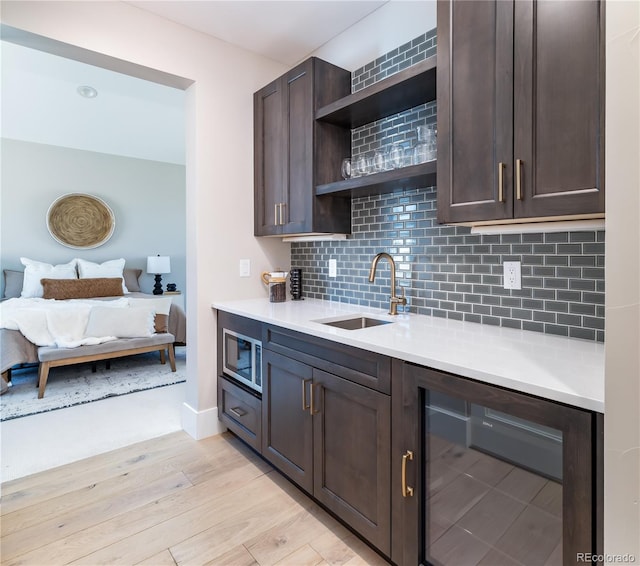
(305, 406)
(282, 205)
(519, 179)
(275, 215)
(406, 490)
(501, 182)
(237, 411)
(312, 409)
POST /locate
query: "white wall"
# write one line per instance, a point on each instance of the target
(147, 199)
(219, 164)
(622, 311)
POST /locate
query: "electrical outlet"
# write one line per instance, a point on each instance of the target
(245, 268)
(512, 275)
(333, 268)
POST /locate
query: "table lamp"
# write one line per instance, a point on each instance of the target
(157, 265)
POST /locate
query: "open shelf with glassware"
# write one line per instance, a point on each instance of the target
(404, 90)
(409, 177)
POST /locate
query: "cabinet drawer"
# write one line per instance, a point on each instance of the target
(359, 366)
(241, 412)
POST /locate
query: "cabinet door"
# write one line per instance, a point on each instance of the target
(287, 433)
(299, 119)
(559, 107)
(475, 105)
(351, 438)
(269, 172)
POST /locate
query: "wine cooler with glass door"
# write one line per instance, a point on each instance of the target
(486, 475)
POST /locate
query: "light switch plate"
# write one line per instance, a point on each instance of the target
(512, 275)
(245, 268)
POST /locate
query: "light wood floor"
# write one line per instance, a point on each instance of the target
(170, 500)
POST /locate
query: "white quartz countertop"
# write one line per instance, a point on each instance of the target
(566, 370)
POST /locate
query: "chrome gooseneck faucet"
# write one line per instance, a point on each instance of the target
(394, 301)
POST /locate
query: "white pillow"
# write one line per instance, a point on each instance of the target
(121, 322)
(111, 268)
(162, 305)
(34, 271)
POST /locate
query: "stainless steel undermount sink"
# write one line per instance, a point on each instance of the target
(357, 323)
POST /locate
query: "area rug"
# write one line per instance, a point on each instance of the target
(77, 384)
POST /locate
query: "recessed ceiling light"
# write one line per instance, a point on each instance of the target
(87, 91)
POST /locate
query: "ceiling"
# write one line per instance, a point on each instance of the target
(137, 118)
(129, 116)
(286, 31)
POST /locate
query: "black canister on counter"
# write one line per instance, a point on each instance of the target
(295, 284)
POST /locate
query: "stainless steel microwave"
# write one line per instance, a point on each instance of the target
(242, 358)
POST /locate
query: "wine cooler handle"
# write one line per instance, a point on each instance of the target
(406, 490)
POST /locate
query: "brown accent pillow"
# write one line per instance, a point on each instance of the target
(82, 288)
(162, 323)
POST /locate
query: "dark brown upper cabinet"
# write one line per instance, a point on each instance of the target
(293, 153)
(520, 110)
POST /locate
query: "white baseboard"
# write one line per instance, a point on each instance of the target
(201, 424)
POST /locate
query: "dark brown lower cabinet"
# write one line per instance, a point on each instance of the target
(287, 439)
(484, 475)
(333, 438)
(352, 448)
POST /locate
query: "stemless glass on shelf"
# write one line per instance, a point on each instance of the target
(345, 169)
(378, 161)
(362, 166)
(408, 157)
(396, 156)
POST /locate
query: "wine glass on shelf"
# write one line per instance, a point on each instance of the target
(420, 151)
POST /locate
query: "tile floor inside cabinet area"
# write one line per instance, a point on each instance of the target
(487, 511)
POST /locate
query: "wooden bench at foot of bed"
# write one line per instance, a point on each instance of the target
(51, 356)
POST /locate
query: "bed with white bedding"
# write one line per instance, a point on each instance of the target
(54, 323)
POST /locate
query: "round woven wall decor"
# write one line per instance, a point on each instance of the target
(80, 221)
